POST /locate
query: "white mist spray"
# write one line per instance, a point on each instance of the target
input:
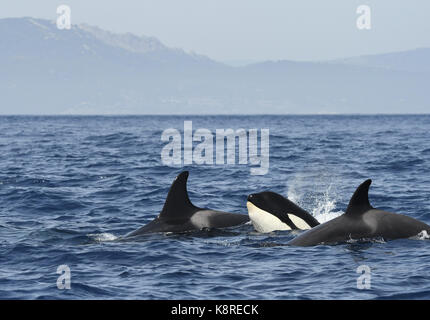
(316, 193)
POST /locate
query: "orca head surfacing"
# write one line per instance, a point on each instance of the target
(270, 211)
(179, 214)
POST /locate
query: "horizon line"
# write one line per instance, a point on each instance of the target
(211, 115)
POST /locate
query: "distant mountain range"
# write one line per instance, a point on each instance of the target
(86, 70)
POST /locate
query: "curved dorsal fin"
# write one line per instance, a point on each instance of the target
(178, 204)
(359, 202)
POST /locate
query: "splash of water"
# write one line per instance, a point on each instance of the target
(320, 203)
(102, 237)
(423, 235)
(325, 206)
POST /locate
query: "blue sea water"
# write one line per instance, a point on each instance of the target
(70, 187)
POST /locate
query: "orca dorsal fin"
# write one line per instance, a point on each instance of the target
(178, 204)
(359, 202)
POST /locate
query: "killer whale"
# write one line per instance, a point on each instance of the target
(361, 221)
(270, 211)
(180, 215)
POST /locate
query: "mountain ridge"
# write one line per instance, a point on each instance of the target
(87, 70)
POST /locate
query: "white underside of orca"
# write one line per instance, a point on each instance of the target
(265, 222)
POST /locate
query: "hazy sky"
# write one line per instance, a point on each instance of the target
(252, 30)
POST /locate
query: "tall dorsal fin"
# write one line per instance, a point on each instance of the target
(178, 204)
(359, 202)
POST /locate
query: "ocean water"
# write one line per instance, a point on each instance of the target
(70, 187)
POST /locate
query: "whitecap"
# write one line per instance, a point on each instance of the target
(102, 237)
